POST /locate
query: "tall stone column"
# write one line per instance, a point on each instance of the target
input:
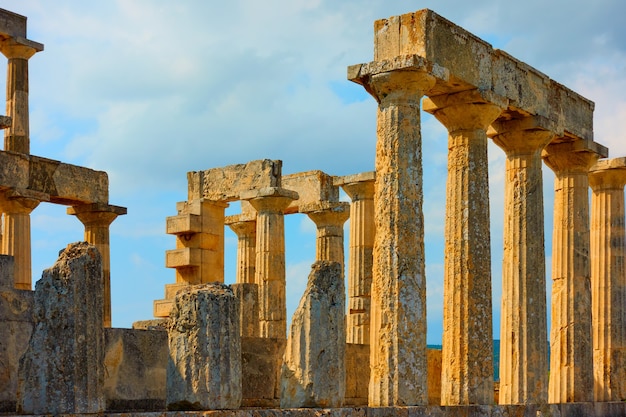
(571, 363)
(608, 279)
(97, 218)
(16, 237)
(467, 377)
(329, 219)
(245, 229)
(523, 327)
(270, 203)
(398, 366)
(361, 243)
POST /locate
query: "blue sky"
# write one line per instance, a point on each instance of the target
(150, 89)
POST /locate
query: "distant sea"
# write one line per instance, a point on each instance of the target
(496, 358)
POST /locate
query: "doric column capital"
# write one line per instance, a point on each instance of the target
(522, 136)
(242, 225)
(96, 214)
(269, 199)
(400, 86)
(358, 186)
(327, 214)
(467, 110)
(16, 202)
(608, 174)
(19, 48)
(569, 157)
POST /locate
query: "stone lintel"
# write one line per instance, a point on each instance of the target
(12, 24)
(268, 192)
(312, 187)
(354, 178)
(5, 122)
(226, 183)
(64, 183)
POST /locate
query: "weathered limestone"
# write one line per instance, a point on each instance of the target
(97, 218)
(467, 326)
(247, 294)
(313, 372)
(270, 257)
(262, 360)
(571, 363)
(329, 219)
(313, 187)
(244, 227)
(62, 370)
(398, 311)
(204, 371)
(524, 340)
(608, 279)
(360, 188)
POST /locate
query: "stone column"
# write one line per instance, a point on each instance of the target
(361, 243)
(398, 363)
(571, 363)
(329, 219)
(18, 51)
(245, 229)
(97, 218)
(16, 238)
(608, 279)
(467, 376)
(270, 203)
(523, 327)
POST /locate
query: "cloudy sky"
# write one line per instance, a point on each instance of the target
(150, 89)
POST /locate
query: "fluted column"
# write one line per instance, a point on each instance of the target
(361, 245)
(329, 219)
(523, 326)
(16, 237)
(467, 377)
(97, 218)
(571, 364)
(270, 257)
(245, 229)
(608, 279)
(398, 367)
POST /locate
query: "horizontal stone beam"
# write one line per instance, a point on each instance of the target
(312, 187)
(12, 24)
(65, 184)
(227, 183)
(461, 61)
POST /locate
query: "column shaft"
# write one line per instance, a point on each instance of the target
(246, 250)
(608, 281)
(571, 364)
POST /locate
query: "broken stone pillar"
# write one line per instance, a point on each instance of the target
(524, 342)
(270, 257)
(204, 370)
(97, 218)
(608, 279)
(245, 228)
(571, 363)
(313, 373)
(247, 294)
(16, 237)
(467, 320)
(62, 371)
(329, 218)
(398, 311)
(360, 188)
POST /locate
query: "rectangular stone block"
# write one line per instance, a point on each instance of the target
(162, 308)
(7, 267)
(312, 187)
(135, 363)
(183, 224)
(179, 258)
(261, 362)
(12, 24)
(226, 183)
(172, 289)
(357, 374)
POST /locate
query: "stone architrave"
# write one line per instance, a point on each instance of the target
(204, 370)
(313, 372)
(571, 361)
(467, 377)
(270, 257)
(97, 218)
(62, 371)
(608, 279)
(524, 342)
(329, 218)
(398, 361)
(360, 188)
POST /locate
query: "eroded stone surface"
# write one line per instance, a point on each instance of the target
(62, 370)
(204, 370)
(313, 372)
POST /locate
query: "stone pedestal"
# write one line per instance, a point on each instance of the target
(329, 219)
(314, 369)
(245, 229)
(571, 363)
(608, 279)
(270, 257)
(204, 370)
(467, 320)
(398, 311)
(360, 188)
(62, 371)
(524, 341)
(97, 218)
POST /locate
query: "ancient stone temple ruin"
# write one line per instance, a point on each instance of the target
(214, 346)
